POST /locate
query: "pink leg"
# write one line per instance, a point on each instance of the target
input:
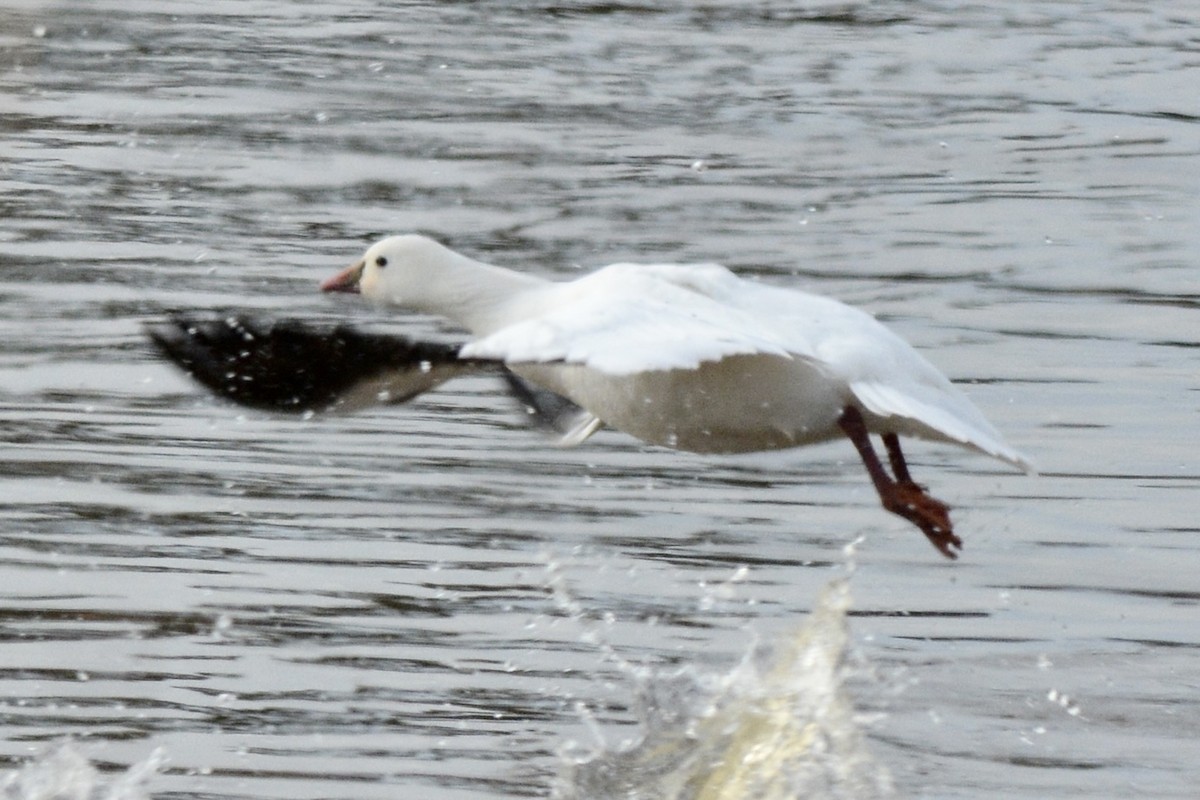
(896, 456)
(901, 496)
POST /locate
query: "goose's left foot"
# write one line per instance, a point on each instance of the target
(901, 495)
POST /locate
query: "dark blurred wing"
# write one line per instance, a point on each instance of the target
(552, 412)
(287, 365)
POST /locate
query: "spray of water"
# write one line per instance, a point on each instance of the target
(64, 774)
(778, 725)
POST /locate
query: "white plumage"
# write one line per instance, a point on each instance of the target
(694, 357)
(687, 355)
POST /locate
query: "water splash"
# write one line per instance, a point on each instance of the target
(779, 725)
(64, 774)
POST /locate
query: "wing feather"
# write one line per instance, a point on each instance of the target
(951, 417)
(287, 365)
(626, 319)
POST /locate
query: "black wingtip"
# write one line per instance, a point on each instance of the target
(288, 365)
(244, 359)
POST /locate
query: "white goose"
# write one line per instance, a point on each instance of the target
(695, 358)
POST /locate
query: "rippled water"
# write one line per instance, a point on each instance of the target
(372, 605)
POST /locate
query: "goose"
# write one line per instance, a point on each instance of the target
(686, 356)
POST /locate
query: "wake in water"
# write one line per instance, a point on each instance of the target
(779, 725)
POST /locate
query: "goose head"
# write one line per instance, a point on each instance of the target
(397, 270)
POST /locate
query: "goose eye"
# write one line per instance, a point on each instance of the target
(381, 261)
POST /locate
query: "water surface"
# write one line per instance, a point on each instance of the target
(431, 599)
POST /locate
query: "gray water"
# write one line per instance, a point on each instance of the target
(431, 601)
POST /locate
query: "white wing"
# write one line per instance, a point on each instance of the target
(627, 318)
(884, 372)
(947, 412)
